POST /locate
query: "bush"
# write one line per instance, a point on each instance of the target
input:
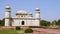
(29, 30)
(17, 27)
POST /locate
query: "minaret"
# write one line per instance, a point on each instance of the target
(37, 16)
(37, 13)
(7, 15)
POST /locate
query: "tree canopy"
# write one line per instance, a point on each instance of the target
(2, 22)
(44, 23)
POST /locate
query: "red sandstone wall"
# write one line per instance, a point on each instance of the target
(12, 27)
(7, 28)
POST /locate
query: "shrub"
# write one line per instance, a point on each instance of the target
(29, 30)
(17, 27)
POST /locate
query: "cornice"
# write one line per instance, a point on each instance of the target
(25, 18)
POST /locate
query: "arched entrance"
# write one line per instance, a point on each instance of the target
(22, 22)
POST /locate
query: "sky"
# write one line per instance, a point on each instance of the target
(49, 9)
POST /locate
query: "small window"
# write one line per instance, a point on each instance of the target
(22, 23)
(21, 16)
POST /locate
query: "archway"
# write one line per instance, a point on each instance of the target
(22, 22)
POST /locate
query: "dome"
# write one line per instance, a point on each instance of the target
(21, 12)
(37, 9)
(7, 7)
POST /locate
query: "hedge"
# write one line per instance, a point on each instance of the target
(29, 30)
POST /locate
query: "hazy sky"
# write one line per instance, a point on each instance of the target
(50, 9)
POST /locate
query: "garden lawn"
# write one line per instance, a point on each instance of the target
(20, 31)
(8, 32)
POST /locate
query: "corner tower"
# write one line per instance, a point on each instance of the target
(7, 15)
(37, 16)
(37, 13)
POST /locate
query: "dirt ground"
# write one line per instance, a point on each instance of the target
(45, 31)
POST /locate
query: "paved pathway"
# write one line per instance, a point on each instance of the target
(45, 31)
(42, 31)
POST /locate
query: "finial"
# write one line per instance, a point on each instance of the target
(7, 6)
(37, 9)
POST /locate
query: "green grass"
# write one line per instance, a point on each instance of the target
(11, 31)
(8, 32)
(20, 31)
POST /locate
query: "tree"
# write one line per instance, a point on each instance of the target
(58, 22)
(2, 22)
(54, 22)
(44, 23)
(48, 23)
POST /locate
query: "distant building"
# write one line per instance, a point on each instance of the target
(22, 18)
